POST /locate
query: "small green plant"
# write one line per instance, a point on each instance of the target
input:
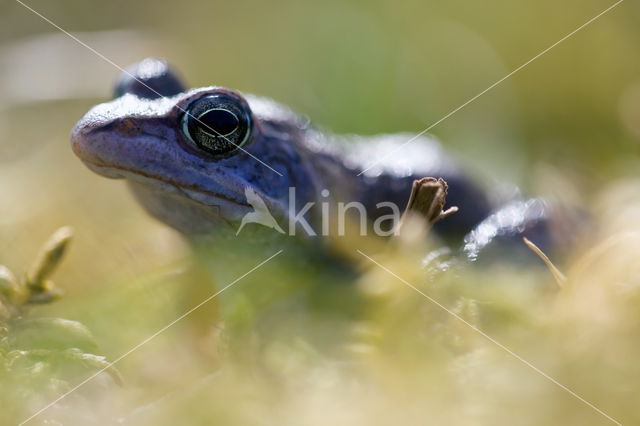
(41, 353)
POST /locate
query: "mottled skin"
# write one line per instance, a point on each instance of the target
(138, 136)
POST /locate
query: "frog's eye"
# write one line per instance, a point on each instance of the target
(149, 79)
(217, 124)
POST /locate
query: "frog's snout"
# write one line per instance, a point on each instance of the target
(90, 143)
(87, 131)
(80, 137)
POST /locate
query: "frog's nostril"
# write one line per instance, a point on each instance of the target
(128, 123)
(126, 127)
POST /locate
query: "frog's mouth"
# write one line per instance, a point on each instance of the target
(228, 209)
(189, 190)
(193, 192)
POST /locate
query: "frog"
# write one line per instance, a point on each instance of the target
(196, 158)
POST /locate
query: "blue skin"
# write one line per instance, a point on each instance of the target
(141, 136)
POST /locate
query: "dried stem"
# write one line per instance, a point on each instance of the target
(560, 278)
(427, 200)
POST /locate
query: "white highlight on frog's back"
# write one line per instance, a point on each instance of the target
(509, 220)
(427, 157)
(266, 109)
(261, 214)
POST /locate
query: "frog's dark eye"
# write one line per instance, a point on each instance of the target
(217, 124)
(149, 79)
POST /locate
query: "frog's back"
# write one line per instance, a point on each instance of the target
(380, 168)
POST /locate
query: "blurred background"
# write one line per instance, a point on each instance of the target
(356, 66)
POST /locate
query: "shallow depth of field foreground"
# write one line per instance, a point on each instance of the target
(302, 346)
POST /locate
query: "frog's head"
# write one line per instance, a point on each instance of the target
(190, 156)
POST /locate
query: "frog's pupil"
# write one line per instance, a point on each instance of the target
(218, 122)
